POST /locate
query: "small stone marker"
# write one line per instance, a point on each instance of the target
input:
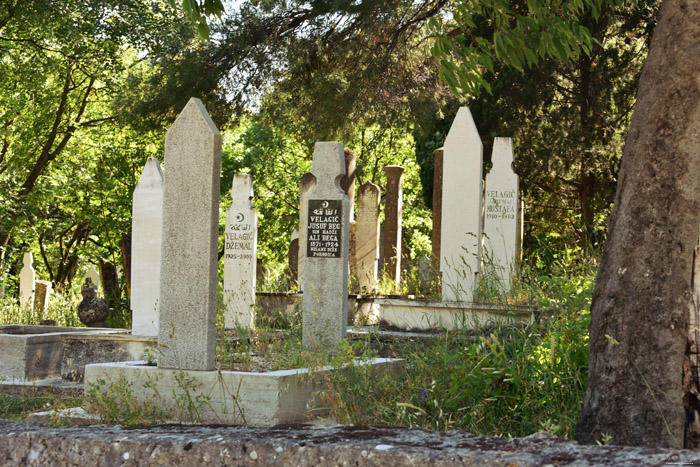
(42, 296)
(367, 243)
(501, 213)
(392, 222)
(460, 239)
(305, 184)
(240, 249)
(437, 213)
(188, 280)
(26, 281)
(325, 297)
(146, 236)
(93, 275)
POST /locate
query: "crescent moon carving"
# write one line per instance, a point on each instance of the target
(240, 217)
(325, 204)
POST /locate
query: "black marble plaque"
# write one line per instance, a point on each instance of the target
(324, 228)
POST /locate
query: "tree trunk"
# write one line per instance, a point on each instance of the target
(642, 298)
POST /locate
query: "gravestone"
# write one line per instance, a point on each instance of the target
(392, 222)
(424, 263)
(293, 256)
(305, 184)
(42, 296)
(109, 277)
(93, 275)
(146, 243)
(352, 249)
(347, 183)
(188, 279)
(460, 239)
(325, 297)
(367, 236)
(437, 213)
(240, 249)
(26, 281)
(501, 217)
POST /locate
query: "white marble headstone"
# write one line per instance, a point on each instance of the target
(240, 248)
(146, 233)
(501, 214)
(93, 275)
(188, 274)
(460, 250)
(326, 233)
(26, 281)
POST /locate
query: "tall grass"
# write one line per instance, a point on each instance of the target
(508, 381)
(63, 308)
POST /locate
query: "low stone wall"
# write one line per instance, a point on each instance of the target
(28, 444)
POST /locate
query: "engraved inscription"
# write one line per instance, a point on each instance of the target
(324, 228)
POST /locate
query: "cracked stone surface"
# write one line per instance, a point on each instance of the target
(30, 444)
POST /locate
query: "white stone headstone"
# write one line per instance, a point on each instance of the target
(325, 296)
(188, 274)
(26, 281)
(240, 248)
(461, 209)
(146, 235)
(93, 275)
(367, 243)
(501, 217)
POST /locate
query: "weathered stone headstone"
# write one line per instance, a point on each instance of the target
(347, 183)
(352, 249)
(146, 243)
(424, 271)
(501, 217)
(392, 222)
(240, 249)
(42, 296)
(293, 256)
(93, 275)
(26, 281)
(367, 243)
(460, 240)
(325, 297)
(188, 279)
(305, 184)
(437, 212)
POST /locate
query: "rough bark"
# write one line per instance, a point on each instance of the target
(642, 298)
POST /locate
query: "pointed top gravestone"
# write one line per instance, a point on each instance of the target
(325, 289)
(501, 214)
(189, 250)
(460, 245)
(146, 232)
(26, 281)
(240, 250)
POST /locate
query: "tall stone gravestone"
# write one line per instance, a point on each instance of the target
(26, 281)
(392, 222)
(325, 297)
(501, 214)
(436, 236)
(240, 249)
(146, 235)
(305, 184)
(188, 279)
(367, 236)
(460, 239)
